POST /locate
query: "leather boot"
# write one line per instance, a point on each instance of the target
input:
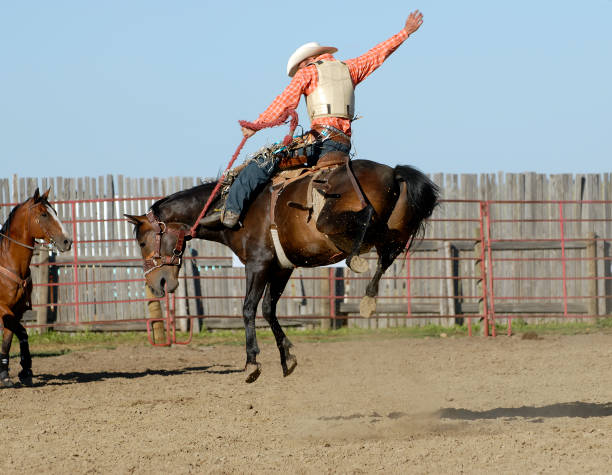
(211, 219)
(230, 219)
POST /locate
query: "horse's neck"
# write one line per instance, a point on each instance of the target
(186, 211)
(13, 255)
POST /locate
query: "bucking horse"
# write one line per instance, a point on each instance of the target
(304, 218)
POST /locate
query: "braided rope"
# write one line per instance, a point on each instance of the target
(253, 126)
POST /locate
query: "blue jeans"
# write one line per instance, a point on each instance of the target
(250, 180)
(254, 177)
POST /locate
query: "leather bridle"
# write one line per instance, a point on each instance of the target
(157, 260)
(49, 241)
(22, 284)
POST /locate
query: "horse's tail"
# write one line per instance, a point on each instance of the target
(417, 201)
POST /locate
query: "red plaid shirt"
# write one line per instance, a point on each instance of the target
(306, 80)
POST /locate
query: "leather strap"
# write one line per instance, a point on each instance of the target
(21, 283)
(157, 260)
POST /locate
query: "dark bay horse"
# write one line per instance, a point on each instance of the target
(31, 220)
(399, 200)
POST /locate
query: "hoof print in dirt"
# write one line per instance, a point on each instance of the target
(531, 336)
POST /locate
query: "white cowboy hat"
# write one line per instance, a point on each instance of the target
(306, 51)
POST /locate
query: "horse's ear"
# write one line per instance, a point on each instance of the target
(36, 196)
(136, 220)
(45, 195)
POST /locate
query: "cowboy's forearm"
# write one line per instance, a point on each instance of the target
(364, 65)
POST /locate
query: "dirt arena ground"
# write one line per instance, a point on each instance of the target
(399, 405)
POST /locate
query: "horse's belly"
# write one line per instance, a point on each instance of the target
(303, 244)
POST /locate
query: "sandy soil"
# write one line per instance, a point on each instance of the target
(398, 405)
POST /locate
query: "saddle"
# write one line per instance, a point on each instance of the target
(318, 192)
(318, 185)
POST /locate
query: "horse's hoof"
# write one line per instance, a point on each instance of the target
(6, 383)
(252, 370)
(367, 306)
(291, 364)
(25, 377)
(358, 264)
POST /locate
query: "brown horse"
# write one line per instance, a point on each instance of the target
(31, 220)
(398, 200)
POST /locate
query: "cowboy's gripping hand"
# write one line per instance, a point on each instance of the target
(414, 21)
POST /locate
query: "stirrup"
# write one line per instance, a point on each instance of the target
(230, 219)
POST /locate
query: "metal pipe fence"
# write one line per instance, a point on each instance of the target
(489, 260)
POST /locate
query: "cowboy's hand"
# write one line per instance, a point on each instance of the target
(414, 21)
(248, 132)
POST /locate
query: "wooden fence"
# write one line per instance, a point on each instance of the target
(540, 228)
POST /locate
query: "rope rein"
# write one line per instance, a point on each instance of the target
(253, 126)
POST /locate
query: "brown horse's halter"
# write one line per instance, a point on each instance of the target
(157, 260)
(49, 240)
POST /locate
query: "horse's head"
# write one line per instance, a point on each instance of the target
(44, 223)
(162, 247)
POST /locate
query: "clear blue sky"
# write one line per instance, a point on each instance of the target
(152, 88)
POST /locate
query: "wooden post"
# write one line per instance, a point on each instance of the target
(601, 283)
(155, 311)
(40, 295)
(451, 284)
(480, 282)
(323, 304)
(181, 303)
(591, 254)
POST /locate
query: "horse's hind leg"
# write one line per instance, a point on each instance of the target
(353, 261)
(25, 375)
(352, 227)
(386, 256)
(278, 281)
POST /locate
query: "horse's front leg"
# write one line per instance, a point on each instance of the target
(255, 284)
(7, 339)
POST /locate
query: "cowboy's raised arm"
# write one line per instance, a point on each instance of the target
(364, 65)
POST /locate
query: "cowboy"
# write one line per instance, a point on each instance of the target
(328, 85)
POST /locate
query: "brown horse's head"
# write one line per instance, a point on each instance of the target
(44, 223)
(157, 249)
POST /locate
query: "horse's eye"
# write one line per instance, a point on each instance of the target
(44, 215)
(142, 244)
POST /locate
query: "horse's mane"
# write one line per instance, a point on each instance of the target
(205, 188)
(7, 223)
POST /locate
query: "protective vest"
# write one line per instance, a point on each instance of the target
(335, 94)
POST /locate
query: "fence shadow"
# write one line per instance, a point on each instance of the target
(583, 410)
(77, 377)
